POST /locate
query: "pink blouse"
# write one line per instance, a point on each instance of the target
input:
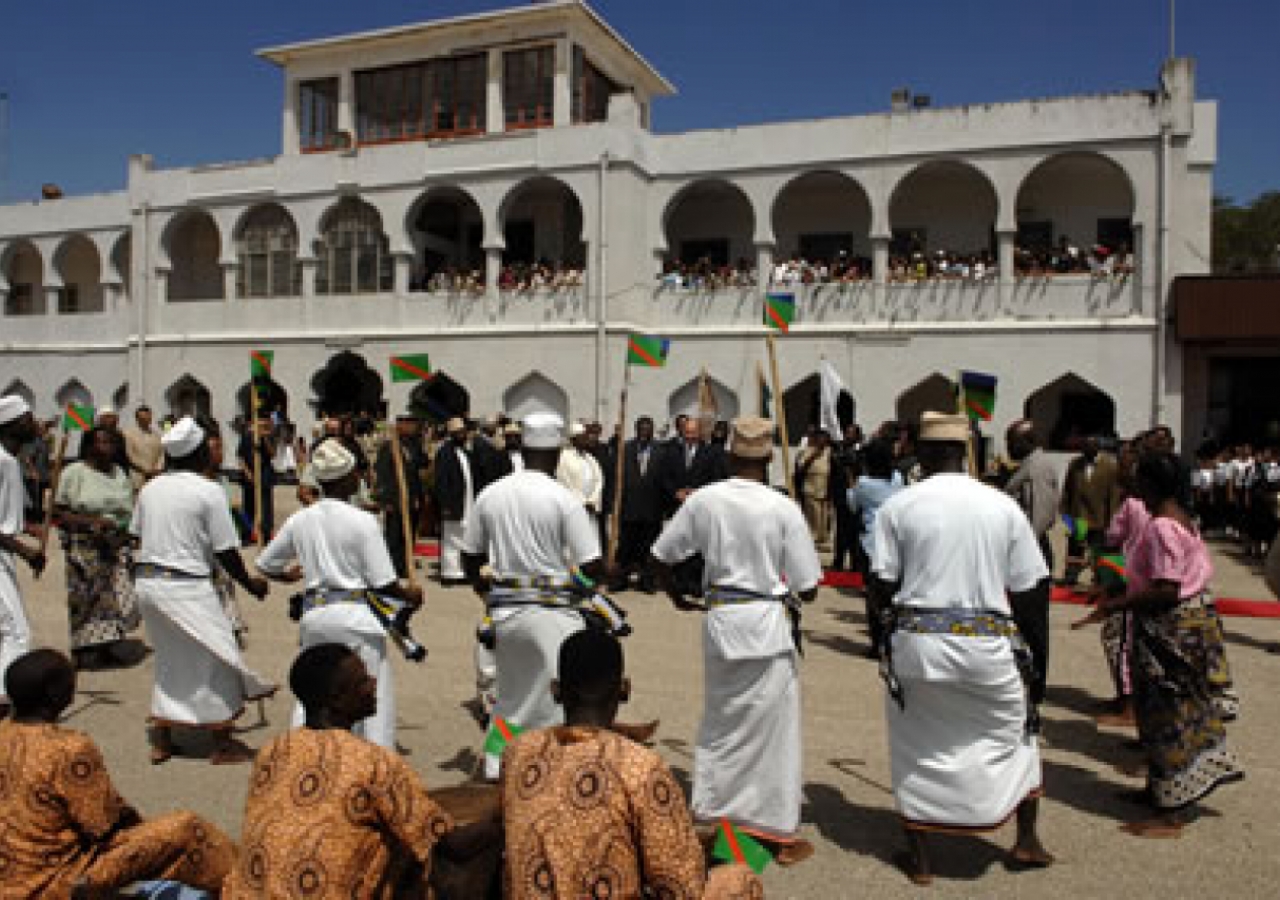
(1127, 524)
(1165, 551)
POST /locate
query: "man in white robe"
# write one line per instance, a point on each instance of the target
(760, 561)
(531, 532)
(342, 556)
(454, 490)
(580, 472)
(17, 427)
(961, 730)
(184, 528)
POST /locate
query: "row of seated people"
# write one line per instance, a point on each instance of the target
(1065, 258)
(580, 810)
(513, 277)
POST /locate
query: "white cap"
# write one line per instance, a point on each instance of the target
(183, 438)
(12, 408)
(331, 461)
(105, 411)
(543, 431)
(577, 429)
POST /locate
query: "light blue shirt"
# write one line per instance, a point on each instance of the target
(866, 497)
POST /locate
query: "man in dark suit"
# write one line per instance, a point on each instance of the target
(642, 504)
(691, 463)
(409, 430)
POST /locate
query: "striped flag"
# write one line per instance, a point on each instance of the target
(647, 350)
(978, 395)
(413, 367)
(1111, 573)
(736, 846)
(260, 362)
(77, 417)
(501, 733)
(779, 311)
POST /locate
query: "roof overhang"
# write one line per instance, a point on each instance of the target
(1227, 308)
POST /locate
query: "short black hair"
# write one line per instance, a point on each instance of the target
(877, 457)
(1160, 476)
(88, 438)
(33, 675)
(314, 675)
(590, 664)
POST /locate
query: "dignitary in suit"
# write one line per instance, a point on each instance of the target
(409, 431)
(455, 489)
(690, 463)
(641, 513)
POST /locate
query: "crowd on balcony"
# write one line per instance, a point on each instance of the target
(1067, 258)
(514, 277)
(705, 275)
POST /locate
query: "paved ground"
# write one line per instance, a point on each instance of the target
(848, 810)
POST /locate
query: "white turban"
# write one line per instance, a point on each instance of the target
(543, 431)
(183, 439)
(12, 408)
(331, 461)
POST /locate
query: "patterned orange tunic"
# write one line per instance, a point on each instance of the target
(589, 813)
(62, 821)
(330, 815)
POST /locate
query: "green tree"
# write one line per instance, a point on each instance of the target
(1247, 238)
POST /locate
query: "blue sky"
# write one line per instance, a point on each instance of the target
(92, 81)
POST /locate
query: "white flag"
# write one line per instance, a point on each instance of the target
(832, 387)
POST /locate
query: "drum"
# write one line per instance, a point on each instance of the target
(479, 878)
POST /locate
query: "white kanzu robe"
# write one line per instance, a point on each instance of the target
(961, 757)
(342, 548)
(182, 522)
(15, 632)
(451, 532)
(749, 757)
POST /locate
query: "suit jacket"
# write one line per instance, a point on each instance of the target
(642, 497)
(385, 474)
(488, 463)
(449, 489)
(1093, 498)
(709, 466)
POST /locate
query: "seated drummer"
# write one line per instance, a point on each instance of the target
(64, 830)
(330, 814)
(590, 813)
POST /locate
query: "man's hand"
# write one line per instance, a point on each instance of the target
(258, 586)
(292, 574)
(412, 594)
(35, 559)
(680, 602)
(683, 494)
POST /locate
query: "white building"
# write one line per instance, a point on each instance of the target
(511, 136)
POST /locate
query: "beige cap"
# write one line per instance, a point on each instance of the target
(331, 461)
(936, 426)
(751, 437)
(12, 408)
(543, 431)
(511, 428)
(455, 424)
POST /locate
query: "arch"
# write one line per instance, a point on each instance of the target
(188, 397)
(194, 246)
(347, 386)
(273, 400)
(542, 221)
(1069, 409)
(937, 393)
(22, 267)
(1079, 196)
(710, 219)
(122, 261)
(73, 392)
(267, 248)
(684, 400)
(446, 227)
(803, 402)
(535, 393)
(820, 215)
(77, 263)
(439, 398)
(943, 205)
(19, 388)
(353, 251)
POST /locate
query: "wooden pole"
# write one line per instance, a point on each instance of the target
(780, 415)
(256, 457)
(406, 525)
(54, 477)
(968, 444)
(615, 525)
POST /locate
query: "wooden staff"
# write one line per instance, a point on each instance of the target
(406, 526)
(780, 415)
(54, 477)
(615, 526)
(968, 444)
(256, 458)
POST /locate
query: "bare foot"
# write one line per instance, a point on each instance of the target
(793, 852)
(161, 755)
(1153, 828)
(1032, 856)
(230, 753)
(911, 867)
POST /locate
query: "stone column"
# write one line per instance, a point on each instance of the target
(880, 274)
(563, 93)
(1005, 244)
(230, 273)
(403, 273)
(309, 269)
(347, 104)
(492, 268)
(764, 265)
(495, 116)
(51, 297)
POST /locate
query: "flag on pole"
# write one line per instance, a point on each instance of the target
(779, 311)
(978, 394)
(412, 367)
(501, 733)
(260, 362)
(831, 387)
(77, 417)
(647, 350)
(765, 394)
(736, 846)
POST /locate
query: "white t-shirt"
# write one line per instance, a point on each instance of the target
(13, 495)
(530, 526)
(753, 539)
(183, 521)
(954, 542)
(338, 546)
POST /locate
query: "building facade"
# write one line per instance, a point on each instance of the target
(426, 172)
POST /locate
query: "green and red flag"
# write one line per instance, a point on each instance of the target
(77, 417)
(260, 362)
(1077, 529)
(411, 367)
(501, 733)
(978, 395)
(736, 846)
(779, 311)
(647, 350)
(1111, 573)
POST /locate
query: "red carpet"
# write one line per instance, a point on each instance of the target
(1250, 609)
(429, 549)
